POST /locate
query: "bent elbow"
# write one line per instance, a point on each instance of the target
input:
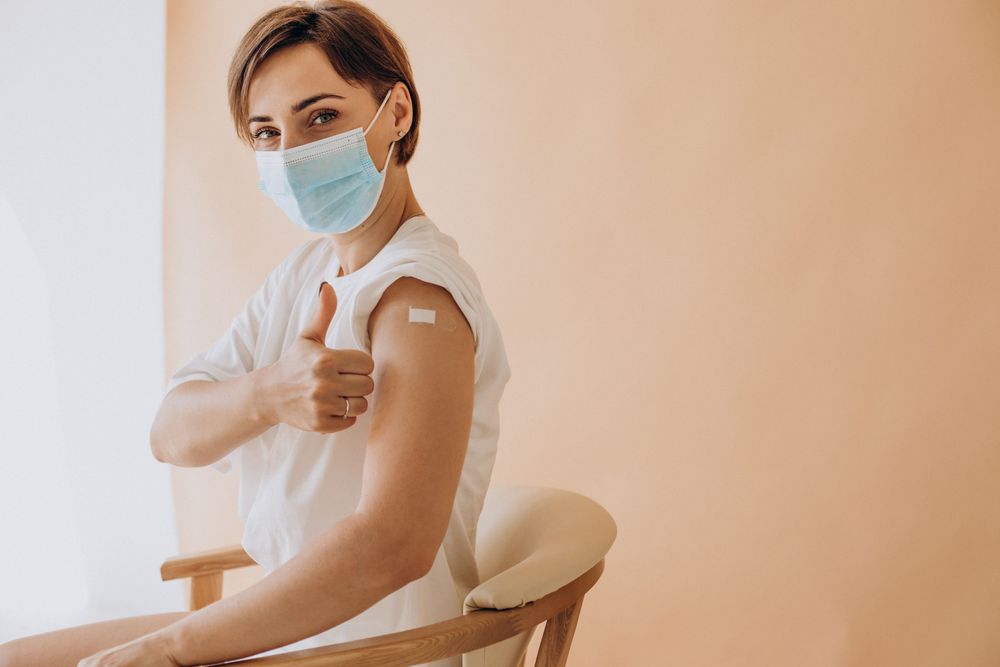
(415, 561)
(162, 445)
(159, 436)
(411, 568)
(167, 450)
(155, 447)
(399, 555)
(400, 560)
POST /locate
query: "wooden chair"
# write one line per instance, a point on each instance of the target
(539, 550)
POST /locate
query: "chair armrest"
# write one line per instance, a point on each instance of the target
(462, 634)
(200, 563)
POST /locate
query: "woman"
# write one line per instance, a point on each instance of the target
(363, 515)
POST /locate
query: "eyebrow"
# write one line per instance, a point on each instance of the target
(299, 107)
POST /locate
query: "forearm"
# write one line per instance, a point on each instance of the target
(201, 421)
(337, 576)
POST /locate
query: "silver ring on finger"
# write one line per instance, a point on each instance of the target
(348, 408)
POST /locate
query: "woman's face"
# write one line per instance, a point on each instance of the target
(296, 97)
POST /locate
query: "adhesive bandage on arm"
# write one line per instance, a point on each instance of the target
(422, 315)
(429, 316)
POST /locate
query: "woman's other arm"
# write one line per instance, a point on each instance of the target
(421, 421)
(200, 421)
(215, 409)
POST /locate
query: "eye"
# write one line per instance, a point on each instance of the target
(321, 118)
(329, 114)
(259, 133)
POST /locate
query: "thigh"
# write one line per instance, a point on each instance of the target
(67, 646)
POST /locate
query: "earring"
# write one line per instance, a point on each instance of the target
(399, 134)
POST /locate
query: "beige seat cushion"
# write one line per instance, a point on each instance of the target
(530, 542)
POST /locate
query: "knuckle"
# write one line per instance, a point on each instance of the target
(319, 396)
(327, 358)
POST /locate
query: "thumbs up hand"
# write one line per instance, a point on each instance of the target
(311, 386)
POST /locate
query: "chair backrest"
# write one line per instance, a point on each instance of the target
(530, 542)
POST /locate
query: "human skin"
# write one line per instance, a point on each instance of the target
(422, 399)
(421, 420)
(199, 422)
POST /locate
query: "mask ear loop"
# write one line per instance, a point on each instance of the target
(381, 183)
(389, 154)
(378, 112)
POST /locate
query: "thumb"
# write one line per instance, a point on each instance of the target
(325, 310)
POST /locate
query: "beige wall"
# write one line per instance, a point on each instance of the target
(746, 258)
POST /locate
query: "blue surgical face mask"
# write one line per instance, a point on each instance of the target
(327, 186)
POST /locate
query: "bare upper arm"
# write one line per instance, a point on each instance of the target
(421, 416)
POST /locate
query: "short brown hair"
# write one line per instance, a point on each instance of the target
(360, 45)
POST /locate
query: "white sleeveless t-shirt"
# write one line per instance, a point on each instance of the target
(295, 484)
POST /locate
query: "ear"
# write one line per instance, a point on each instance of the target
(402, 110)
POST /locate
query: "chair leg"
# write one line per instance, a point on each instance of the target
(558, 635)
(205, 589)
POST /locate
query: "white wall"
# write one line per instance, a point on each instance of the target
(86, 515)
